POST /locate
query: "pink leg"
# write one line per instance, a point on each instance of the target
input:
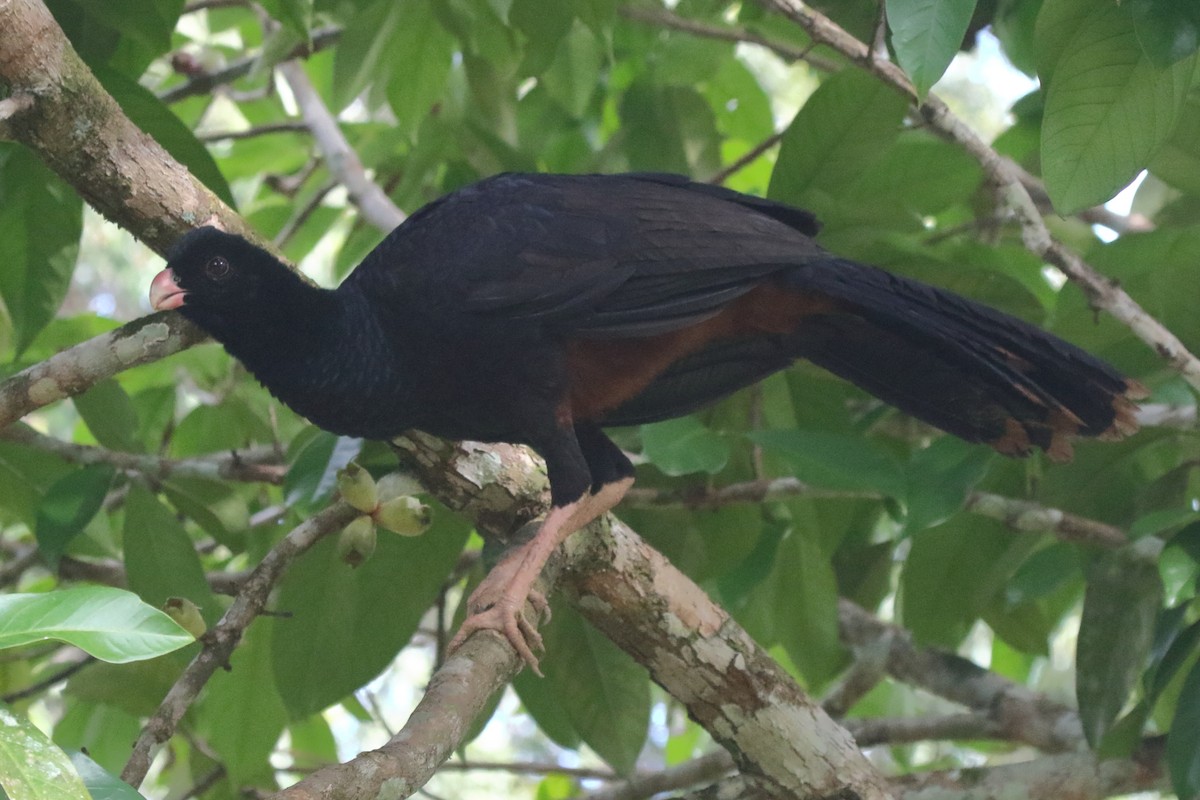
(498, 603)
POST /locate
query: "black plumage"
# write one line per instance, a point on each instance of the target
(538, 308)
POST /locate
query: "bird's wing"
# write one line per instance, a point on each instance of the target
(601, 256)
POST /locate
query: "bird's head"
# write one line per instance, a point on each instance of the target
(213, 276)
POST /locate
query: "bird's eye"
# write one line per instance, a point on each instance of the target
(217, 268)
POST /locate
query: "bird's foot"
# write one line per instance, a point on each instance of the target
(498, 604)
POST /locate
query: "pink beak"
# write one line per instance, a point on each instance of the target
(165, 294)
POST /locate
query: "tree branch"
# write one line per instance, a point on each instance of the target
(1021, 714)
(79, 368)
(1101, 292)
(705, 768)
(256, 465)
(1020, 515)
(81, 134)
(221, 640)
(375, 206)
(322, 38)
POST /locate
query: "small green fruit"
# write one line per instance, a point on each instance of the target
(356, 542)
(357, 487)
(406, 516)
(186, 614)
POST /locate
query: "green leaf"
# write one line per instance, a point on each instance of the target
(604, 692)
(155, 118)
(110, 624)
(149, 23)
(1183, 740)
(100, 784)
(1168, 30)
(110, 416)
(939, 479)
(297, 15)
(102, 731)
(683, 446)
(31, 766)
(243, 712)
(1122, 601)
(926, 34)
(364, 54)
(425, 52)
(1108, 110)
(40, 225)
(544, 25)
(835, 461)
(835, 138)
(312, 476)
(953, 574)
(543, 702)
(669, 128)
(365, 615)
(68, 507)
(160, 558)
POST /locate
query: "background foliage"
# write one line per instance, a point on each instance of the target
(434, 94)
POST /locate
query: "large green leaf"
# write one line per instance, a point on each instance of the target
(1116, 632)
(69, 506)
(940, 477)
(1183, 741)
(40, 224)
(365, 53)
(422, 51)
(243, 711)
(835, 460)
(110, 624)
(604, 692)
(835, 138)
(31, 766)
(110, 416)
(669, 128)
(345, 625)
(926, 35)
(1108, 109)
(160, 558)
(683, 446)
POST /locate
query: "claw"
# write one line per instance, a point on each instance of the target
(508, 619)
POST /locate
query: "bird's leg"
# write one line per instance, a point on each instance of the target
(498, 603)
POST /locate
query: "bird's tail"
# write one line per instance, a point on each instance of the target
(965, 368)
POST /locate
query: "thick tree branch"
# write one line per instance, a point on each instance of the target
(1021, 714)
(375, 206)
(1101, 292)
(221, 640)
(1079, 776)
(81, 134)
(79, 368)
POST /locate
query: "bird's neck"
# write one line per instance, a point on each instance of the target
(322, 353)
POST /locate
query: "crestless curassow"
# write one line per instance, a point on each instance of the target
(538, 309)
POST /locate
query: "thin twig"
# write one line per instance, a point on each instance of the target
(253, 465)
(749, 157)
(50, 680)
(322, 38)
(288, 126)
(666, 19)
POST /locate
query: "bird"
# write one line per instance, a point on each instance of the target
(540, 309)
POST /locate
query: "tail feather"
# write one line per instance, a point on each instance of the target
(961, 366)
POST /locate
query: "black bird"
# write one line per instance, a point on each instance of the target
(538, 309)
